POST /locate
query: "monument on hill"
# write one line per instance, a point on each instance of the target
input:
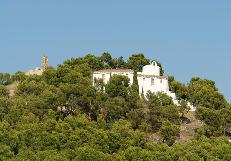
(39, 70)
(44, 62)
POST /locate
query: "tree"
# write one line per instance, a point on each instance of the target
(95, 63)
(99, 85)
(137, 61)
(183, 108)
(118, 63)
(106, 58)
(203, 92)
(30, 88)
(51, 155)
(225, 115)
(137, 117)
(4, 107)
(73, 62)
(178, 88)
(3, 91)
(89, 153)
(217, 122)
(5, 153)
(19, 76)
(84, 69)
(121, 136)
(50, 76)
(138, 154)
(5, 78)
(169, 132)
(62, 116)
(114, 109)
(159, 99)
(161, 108)
(117, 86)
(26, 154)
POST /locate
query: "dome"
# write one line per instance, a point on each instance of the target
(151, 69)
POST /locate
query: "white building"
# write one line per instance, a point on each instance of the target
(148, 80)
(36, 71)
(106, 74)
(39, 70)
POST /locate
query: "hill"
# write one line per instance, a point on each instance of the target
(60, 115)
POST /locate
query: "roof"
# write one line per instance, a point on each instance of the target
(150, 76)
(114, 70)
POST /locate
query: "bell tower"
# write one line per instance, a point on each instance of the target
(44, 62)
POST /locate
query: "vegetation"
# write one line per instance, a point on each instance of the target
(62, 116)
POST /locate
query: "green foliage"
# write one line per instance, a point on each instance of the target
(204, 93)
(5, 78)
(161, 108)
(5, 152)
(138, 154)
(137, 61)
(117, 86)
(159, 99)
(4, 107)
(62, 116)
(88, 153)
(107, 59)
(19, 76)
(114, 109)
(169, 132)
(217, 121)
(183, 108)
(178, 88)
(3, 91)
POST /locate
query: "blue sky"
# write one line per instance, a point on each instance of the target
(190, 38)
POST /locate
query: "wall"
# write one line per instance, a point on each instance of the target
(107, 75)
(157, 85)
(36, 71)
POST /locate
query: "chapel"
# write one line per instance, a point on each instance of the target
(148, 80)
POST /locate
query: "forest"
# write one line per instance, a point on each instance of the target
(61, 116)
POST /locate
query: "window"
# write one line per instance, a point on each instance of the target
(152, 81)
(103, 77)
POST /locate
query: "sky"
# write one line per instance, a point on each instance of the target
(189, 38)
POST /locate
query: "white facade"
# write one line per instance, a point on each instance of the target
(106, 74)
(36, 71)
(148, 80)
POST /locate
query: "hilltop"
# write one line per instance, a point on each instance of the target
(61, 115)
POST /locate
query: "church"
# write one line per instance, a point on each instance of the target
(148, 80)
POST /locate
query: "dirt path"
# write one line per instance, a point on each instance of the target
(12, 87)
(187, 129)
